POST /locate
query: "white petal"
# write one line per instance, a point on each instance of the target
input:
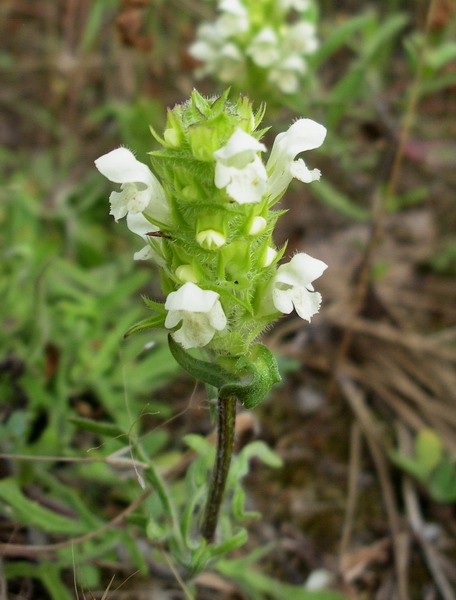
(299, 170)
(121, 166)
(303, 135)
(173, 318)
(292, 286)
(195, 332)
(143, 254)
(137, 223)
(229, 64)
(283, 300)
(306, 303)
(129, 199)
(234, 7)
(118, 205)
(300, 271)
(191, 298)
(217, 317)
(240, 144)
(148, 253)
(200, 312)
(249, 184)
(301, 37)
(222, 176)
(263, 48)
(239, 169)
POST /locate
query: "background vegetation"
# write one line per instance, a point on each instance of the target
(365, 419)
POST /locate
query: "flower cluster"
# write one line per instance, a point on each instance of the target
(207, 220)
(252, 41)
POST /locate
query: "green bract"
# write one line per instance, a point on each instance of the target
(205, 213)
(215, 242)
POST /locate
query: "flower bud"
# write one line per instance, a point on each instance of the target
(268, 257)
(257, 226)
(174, 134)
(204, 141)
(209, 239)
(187, 273)
(211, 230)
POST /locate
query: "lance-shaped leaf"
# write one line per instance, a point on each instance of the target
(262, 366)
(210, 373)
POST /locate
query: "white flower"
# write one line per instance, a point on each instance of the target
(206, 48)
(223, 59)
(239, 169)
(234, 18)
(302, 38)
(263, 48)
(200, 312)
(230, 63)
(298, 5)
(219, 56)
(138, 224)
(287, 73)
(292, 286)
(140, 189)
(304, 134)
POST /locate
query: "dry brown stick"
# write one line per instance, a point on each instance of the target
(367, 423)
(413, 511)
(115, 462)
(386, 332)
(378, 209)
(352, 493)
(3, 586)
(419, 371)
(407, 387)
(433, 412)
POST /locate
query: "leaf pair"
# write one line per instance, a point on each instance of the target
(250, 379)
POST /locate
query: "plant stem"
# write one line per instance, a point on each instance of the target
(226, 417)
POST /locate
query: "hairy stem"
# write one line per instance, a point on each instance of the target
(226, 417)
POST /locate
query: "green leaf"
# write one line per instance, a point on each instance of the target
(256, 584)
(99, 427)
(48, 572)
(408, 464)
(198, 444)
(383, 35)
(262, 365)
(340, 35)
(238, 506)
(157, 306)
(339, 201)
(156, 322)
(236, 541)
(207, 372)
(442, 485)
(428, 450)
(30, 512)
(259, 449)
